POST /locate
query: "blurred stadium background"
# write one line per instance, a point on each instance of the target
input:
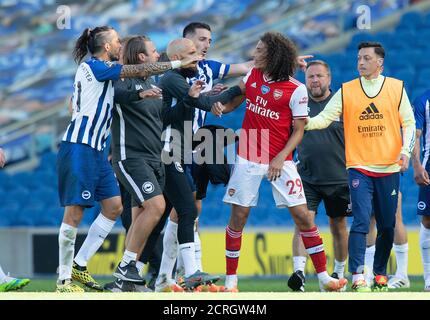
(36, 81)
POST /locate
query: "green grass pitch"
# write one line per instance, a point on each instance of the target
(253, 288)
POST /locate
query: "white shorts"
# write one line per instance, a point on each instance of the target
(246, 178)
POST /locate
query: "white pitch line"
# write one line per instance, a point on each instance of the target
(216, 296)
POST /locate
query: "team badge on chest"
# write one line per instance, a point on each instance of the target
(277, 94)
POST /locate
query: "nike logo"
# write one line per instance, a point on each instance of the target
(119, 285)
(122, 272)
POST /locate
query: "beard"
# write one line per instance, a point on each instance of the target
(318, 92)
(188, 72)
(113, 57)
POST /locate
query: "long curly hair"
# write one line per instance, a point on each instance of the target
(281, 56)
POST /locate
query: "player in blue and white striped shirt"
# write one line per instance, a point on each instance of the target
(84, 173)
(421, 175)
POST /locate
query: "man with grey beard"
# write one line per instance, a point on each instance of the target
(322, 168)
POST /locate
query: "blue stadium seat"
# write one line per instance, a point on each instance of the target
(410, 21)
(29, 213)
(43, 178)
(50, 217)
(418, 91)
(360, 37)
(8, 212)
(48, 159)
(46, 195)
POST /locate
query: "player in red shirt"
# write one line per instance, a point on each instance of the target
(274, 101)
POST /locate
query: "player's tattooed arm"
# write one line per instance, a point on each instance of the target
(144, 70)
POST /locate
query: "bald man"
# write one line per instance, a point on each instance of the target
(179, 103)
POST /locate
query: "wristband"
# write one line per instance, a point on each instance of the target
(176, 64)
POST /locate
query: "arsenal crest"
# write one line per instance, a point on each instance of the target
(277, 94)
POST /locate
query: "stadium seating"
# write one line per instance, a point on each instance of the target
(30, 198)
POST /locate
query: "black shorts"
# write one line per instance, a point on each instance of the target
(337, 201)
(142, 179)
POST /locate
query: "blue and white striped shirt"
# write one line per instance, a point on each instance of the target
(92, 103)
(209, 70)
(422, 122)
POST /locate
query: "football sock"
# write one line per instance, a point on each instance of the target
(357, 276)
(187, 251)
(401, 252)
(233, 241)
(98, 232)
(127, 258)
(198, 248)
(170, 249)
(369, 257)
(66, 243)
(425, 252)
(339, 268)
(315, 248)
(299, 263)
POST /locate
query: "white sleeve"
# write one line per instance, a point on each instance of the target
(245, 78)
(299, 102)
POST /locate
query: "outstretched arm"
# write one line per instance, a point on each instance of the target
(331, 112)
(232, 104)
(149, 69)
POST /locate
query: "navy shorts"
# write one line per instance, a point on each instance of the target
(84, 175)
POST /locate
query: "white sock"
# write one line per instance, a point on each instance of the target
(323, 277)
(368, 261)
(66, 243)
(198, 248)
(401, 251)
(425, 252)
(2, 275)
(339, 268)
(140, 265)
(299, 263)
(180, 269)
(98, 232)
(230, 281)
(187, 250)
(170, 249)
(128, 257)
(358, 276)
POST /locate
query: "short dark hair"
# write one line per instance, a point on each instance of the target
(191, 28)
(281, 56)
(133, 47)
(319, 62)
(379, 49)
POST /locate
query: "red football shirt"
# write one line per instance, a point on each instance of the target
(270, 109)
